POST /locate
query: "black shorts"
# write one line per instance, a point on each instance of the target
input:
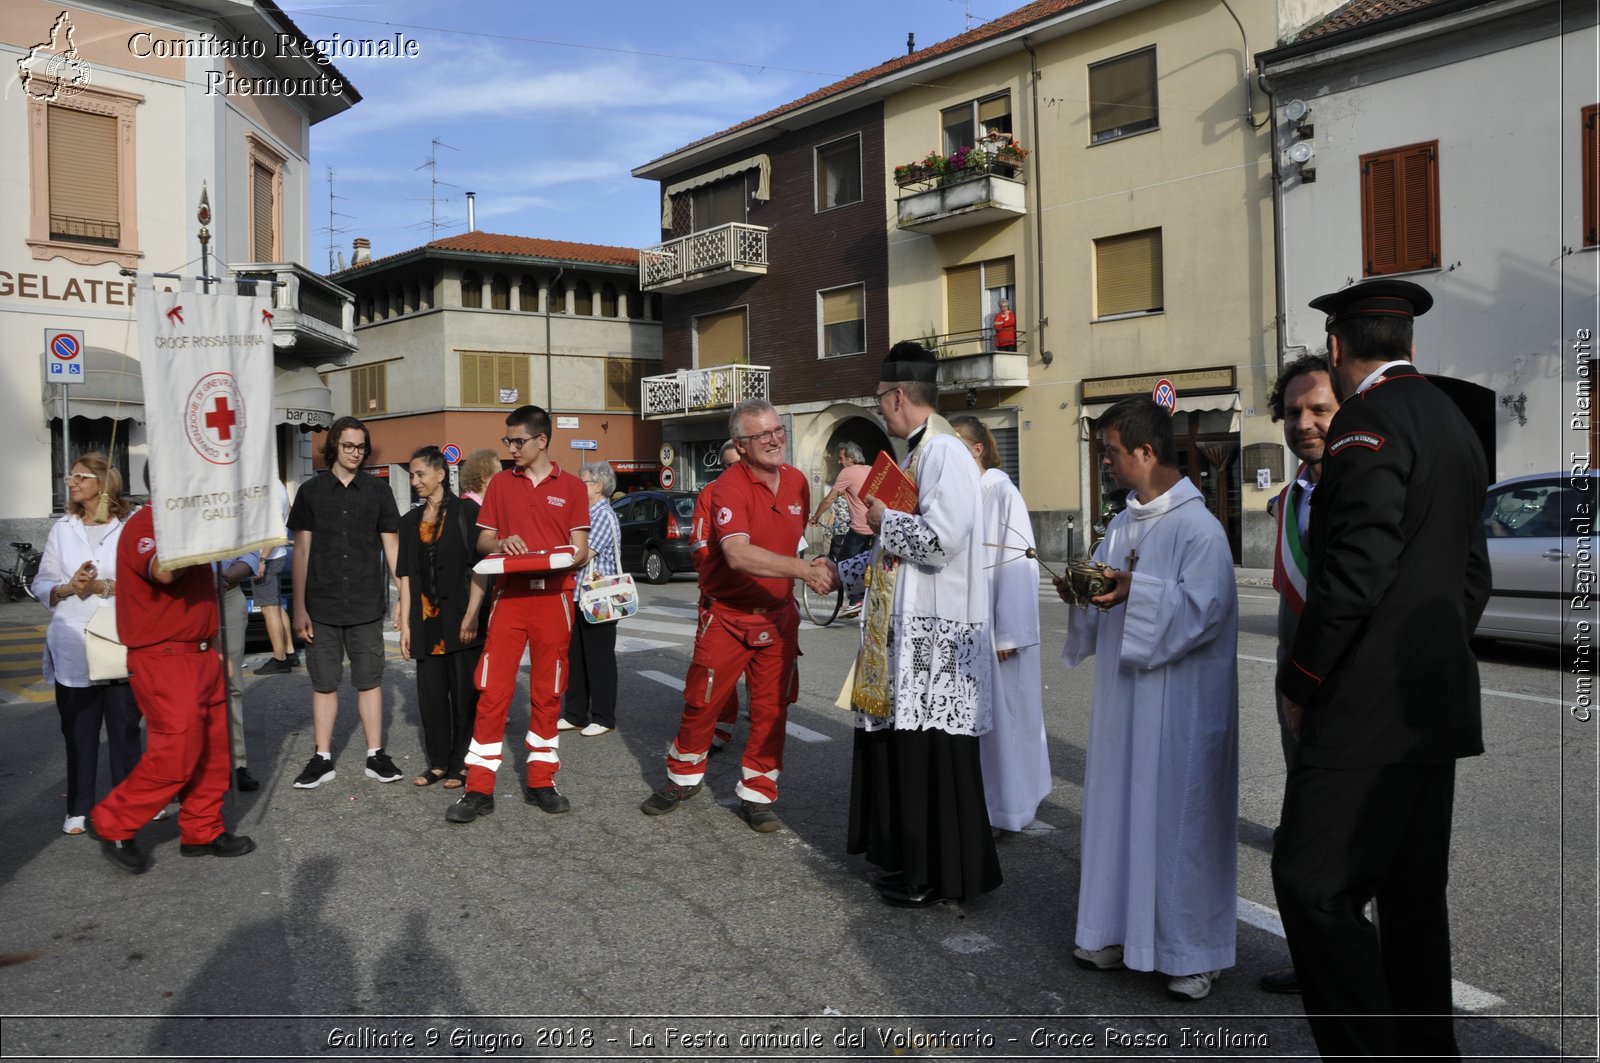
(330, 644)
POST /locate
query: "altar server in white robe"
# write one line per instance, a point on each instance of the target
(1157, 886)
(1016, 762)
(921, 685)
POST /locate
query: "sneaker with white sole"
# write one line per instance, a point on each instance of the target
(318, 771)
(594, 730)
(564, 724)
(1106, 959)
(1193, 986)
(380, 767)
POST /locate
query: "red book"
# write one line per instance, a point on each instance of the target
(886, 480)
(534, 561)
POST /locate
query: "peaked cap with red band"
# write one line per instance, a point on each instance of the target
(1379, 298)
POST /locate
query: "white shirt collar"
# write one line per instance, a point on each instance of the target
(1372, 378)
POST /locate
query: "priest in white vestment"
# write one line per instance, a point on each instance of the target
(1016, 762)
(921, 685)
(1157, 886)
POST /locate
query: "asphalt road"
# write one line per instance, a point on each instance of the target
(365, 926)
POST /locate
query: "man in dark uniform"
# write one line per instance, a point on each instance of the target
(1381, 688)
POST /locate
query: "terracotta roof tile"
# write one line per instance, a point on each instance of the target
(1022, 16)
(1359, 13)
(525, 246)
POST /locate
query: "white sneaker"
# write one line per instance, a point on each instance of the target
(73, 825)
(1106, 959)
(595, 729)
(1192, 986)
(562, 724)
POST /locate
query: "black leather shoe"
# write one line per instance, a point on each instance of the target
(224, 844)
(126, 855)
(547, 799)
(899, 895)
(760, 817)
(243, 781)
(668, 798)
(1283, 980)
(470, 807)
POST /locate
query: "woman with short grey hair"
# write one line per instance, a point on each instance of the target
(590, 702)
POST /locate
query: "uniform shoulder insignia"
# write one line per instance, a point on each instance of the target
(1360, 438)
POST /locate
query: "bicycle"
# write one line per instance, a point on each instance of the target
(18, 579)
(821, 608)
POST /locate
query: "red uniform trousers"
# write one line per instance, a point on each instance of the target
(180, 691)
(541, 621)
(765, 648)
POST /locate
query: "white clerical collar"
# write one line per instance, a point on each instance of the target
(1378, 372)
(1176, 495)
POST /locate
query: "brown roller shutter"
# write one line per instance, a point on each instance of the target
(1122, 94)
(261, 214)
(843, 304)
(83, 174)
(999, 273)
(1128, 273)
(720, 339)
(963, 307)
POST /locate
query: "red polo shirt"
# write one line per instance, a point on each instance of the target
(149, 612)
(545, 513)
(743, 505)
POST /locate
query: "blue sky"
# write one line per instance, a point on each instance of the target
(547, 106)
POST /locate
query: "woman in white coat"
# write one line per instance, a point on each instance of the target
(1016, 764)
(78, 575)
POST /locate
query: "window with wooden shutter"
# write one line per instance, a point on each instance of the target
(719, 339)
(843, 321)
(263, 231)
(1122, 96)
(1127, 274)
(493, 379)
(84, 198)
(963, 298)
(471, 290)
(1400, 209)
(369, 389)
(499, 292)
(624, 379)
(1591, 176)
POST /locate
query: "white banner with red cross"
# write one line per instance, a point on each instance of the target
(206, 359)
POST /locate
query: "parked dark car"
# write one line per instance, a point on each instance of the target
(656, 529)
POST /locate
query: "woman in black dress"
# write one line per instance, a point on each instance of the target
(440, 600)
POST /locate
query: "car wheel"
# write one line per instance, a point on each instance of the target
(655, 567)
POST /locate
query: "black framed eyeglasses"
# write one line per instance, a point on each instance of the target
(516, 442)
(353, 448)
(766, 437)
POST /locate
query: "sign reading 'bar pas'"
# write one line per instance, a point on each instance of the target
(207, 366)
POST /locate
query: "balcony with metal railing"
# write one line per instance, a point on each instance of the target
(725, 253)
(978, 194)
(310, 314)
(696, 391)
(970, 360)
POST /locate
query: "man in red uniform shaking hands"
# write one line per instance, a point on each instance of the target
(532, 506)
(748, 621)
(168, 620)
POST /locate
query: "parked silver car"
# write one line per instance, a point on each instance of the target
(1541, 547)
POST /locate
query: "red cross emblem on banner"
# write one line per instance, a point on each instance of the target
(221, 419)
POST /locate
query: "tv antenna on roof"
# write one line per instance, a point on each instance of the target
(333, 230)
(432, 166)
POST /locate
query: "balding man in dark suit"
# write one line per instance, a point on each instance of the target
(1381, 687)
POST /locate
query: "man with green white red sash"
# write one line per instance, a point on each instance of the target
(1304, 401)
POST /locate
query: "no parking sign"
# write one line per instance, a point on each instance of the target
(1165, 396)
(64, 351)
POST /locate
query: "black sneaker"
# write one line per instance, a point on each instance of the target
(126, 855)
(273, 666)
(243, 781)
(666, 799)
(547, 799)
(319, 771)
(380, 767)
(470, 807)
(224, 844)
(760, 816)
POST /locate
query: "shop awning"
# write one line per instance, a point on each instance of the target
(112, 387)
(1228, 403)
(300, 398)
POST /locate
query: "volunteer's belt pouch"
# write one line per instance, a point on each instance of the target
(755, 630)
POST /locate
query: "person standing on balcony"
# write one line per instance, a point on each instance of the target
(1005, 328)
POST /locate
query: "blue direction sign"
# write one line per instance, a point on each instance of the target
(63, 356)
(585, 444)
